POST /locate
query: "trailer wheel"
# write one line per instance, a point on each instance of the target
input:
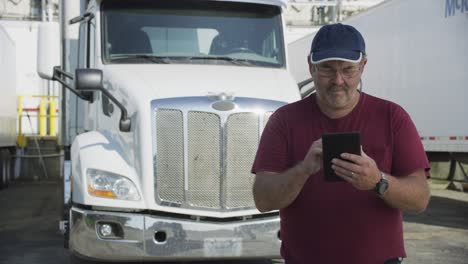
(5, 168)
(9, 174)
(66, 235)
(2, 170)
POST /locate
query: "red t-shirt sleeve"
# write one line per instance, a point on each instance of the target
(408, 151)
(272, 150)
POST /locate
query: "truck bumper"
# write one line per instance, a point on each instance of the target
(142, 237)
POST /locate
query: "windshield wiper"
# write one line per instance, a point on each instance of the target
(146, 57)
(222, 58)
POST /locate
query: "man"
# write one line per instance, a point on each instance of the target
(359, 219)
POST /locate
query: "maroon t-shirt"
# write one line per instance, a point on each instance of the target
(332, 222)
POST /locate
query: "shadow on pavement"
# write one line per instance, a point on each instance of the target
(442, 211)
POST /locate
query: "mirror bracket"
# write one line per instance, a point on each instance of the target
(91, 80)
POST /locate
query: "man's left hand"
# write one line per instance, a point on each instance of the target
(359, 170)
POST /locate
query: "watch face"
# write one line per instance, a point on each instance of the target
(383, 186)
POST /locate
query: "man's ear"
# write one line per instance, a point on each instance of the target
(311, 66)
(364, 62)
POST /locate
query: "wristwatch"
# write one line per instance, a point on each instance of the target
(382, 186)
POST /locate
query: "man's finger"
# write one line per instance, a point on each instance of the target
(357, 159)
(347, 165)
(344, 176)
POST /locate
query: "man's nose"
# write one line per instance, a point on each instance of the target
(338, 79)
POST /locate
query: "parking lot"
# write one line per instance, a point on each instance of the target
(29, 227)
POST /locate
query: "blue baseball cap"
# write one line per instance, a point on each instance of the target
(337, 42)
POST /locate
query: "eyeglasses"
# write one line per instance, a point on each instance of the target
(329, 72)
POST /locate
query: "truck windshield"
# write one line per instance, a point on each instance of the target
(192, 32)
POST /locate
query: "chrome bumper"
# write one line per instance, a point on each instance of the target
(183, 239)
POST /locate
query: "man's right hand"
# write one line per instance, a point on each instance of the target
(312, 162)
(273, 191)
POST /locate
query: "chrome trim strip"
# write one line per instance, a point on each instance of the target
(185, 125)
(204, 104)
(222, 162)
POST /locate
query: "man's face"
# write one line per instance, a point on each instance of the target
(336, 82)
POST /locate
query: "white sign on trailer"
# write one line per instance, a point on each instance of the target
(453, 7)
(417, 58)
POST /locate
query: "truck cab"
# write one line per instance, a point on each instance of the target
(168, 102)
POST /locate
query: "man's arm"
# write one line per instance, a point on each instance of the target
(273, 191)
(409, 193)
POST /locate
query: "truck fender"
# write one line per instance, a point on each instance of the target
(99, 150)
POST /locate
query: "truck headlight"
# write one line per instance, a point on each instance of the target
(110, 185)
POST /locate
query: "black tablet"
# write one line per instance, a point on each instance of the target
(333, 145)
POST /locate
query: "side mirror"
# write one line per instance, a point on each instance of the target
(48, 49)
(88, 80)
(91, 80)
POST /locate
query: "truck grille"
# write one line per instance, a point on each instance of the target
(203, 159)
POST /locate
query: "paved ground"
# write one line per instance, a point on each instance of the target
(29, 233)
(29, 224)
(439, 235)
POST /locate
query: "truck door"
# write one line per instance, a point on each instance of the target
(86, 111)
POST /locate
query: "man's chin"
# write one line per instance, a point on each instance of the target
(338, 100)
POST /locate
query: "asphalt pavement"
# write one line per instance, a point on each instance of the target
(29, 232)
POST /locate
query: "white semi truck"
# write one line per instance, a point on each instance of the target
(164, 105)
(417, 51)
(8, 114)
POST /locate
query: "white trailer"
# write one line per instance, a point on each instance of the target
(8, 113)
(168, 102)
(417, 51)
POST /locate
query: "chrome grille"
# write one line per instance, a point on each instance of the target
(170, 164)
(204, 169)
(242, 141)
(202, 157)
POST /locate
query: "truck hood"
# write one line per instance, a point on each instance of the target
(148, 82)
